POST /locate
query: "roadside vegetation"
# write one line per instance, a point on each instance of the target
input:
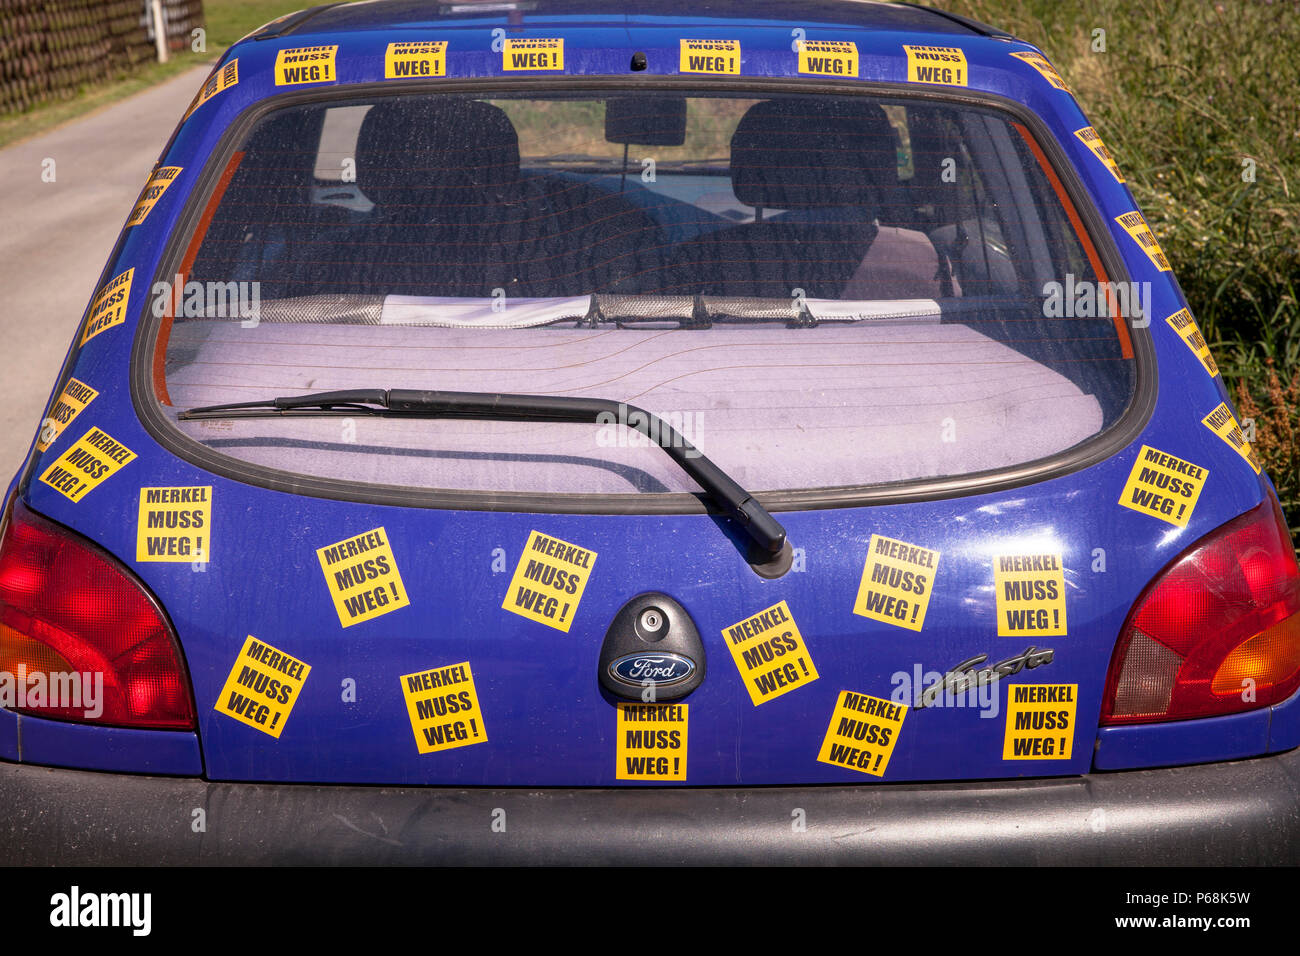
(225, 22)
(1198, 103)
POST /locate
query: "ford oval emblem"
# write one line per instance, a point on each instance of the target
(638, 670)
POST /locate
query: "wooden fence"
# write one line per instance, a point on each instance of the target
(49, 49)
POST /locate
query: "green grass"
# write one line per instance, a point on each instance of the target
(1185, 92)
(226, 22)
(229, 20)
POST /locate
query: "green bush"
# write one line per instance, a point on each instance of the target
(1192, 98)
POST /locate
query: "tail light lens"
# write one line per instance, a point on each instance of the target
(69, 612)
(1218, 632)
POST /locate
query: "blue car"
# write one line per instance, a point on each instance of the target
(652, 431)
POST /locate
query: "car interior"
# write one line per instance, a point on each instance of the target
(848, 268)
(451, 210)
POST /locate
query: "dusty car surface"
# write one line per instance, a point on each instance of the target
(665, 432)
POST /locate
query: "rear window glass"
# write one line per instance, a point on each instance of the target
(816, 290)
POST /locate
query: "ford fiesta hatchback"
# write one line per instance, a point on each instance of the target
(689, 432)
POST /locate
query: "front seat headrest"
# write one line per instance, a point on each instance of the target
(812, 152)
(437, 151)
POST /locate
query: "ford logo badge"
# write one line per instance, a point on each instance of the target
(638, 670)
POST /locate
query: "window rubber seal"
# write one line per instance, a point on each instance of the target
(1110, 441)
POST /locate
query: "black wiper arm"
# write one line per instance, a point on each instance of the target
(349, 400)
(766, 531)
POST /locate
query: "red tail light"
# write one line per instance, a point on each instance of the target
(69, 608)
(1217, 633)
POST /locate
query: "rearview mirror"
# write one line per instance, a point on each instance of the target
(649, 120)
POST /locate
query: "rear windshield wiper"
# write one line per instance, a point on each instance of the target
(765, 530)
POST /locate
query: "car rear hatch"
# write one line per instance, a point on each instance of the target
(892, 363)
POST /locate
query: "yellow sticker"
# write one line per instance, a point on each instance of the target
(862, 733)
(533, 54)
(1030, 594)
(1043, 66)
(1163, 486)
(1183, 323)
(828, 57)
(549, 580)
(425, 58)
(1223, 423)
(1090, 138)
(443, 707)
(305, 64)
(1040, 721)
(651, 741)
(710, 56)
(223, 79)
(157, 185)
(85, 466)
(262, 687)
(362, 577)
(936, 64)
(72, 401)
(175, 524)
(109, 307)
(1137, 227)
(770, 653)
(897, 581)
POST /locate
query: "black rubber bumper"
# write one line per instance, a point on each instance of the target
(1243, 812)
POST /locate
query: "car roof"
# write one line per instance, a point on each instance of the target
(386, 14)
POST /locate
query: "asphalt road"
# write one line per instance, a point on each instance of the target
(56, 237)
